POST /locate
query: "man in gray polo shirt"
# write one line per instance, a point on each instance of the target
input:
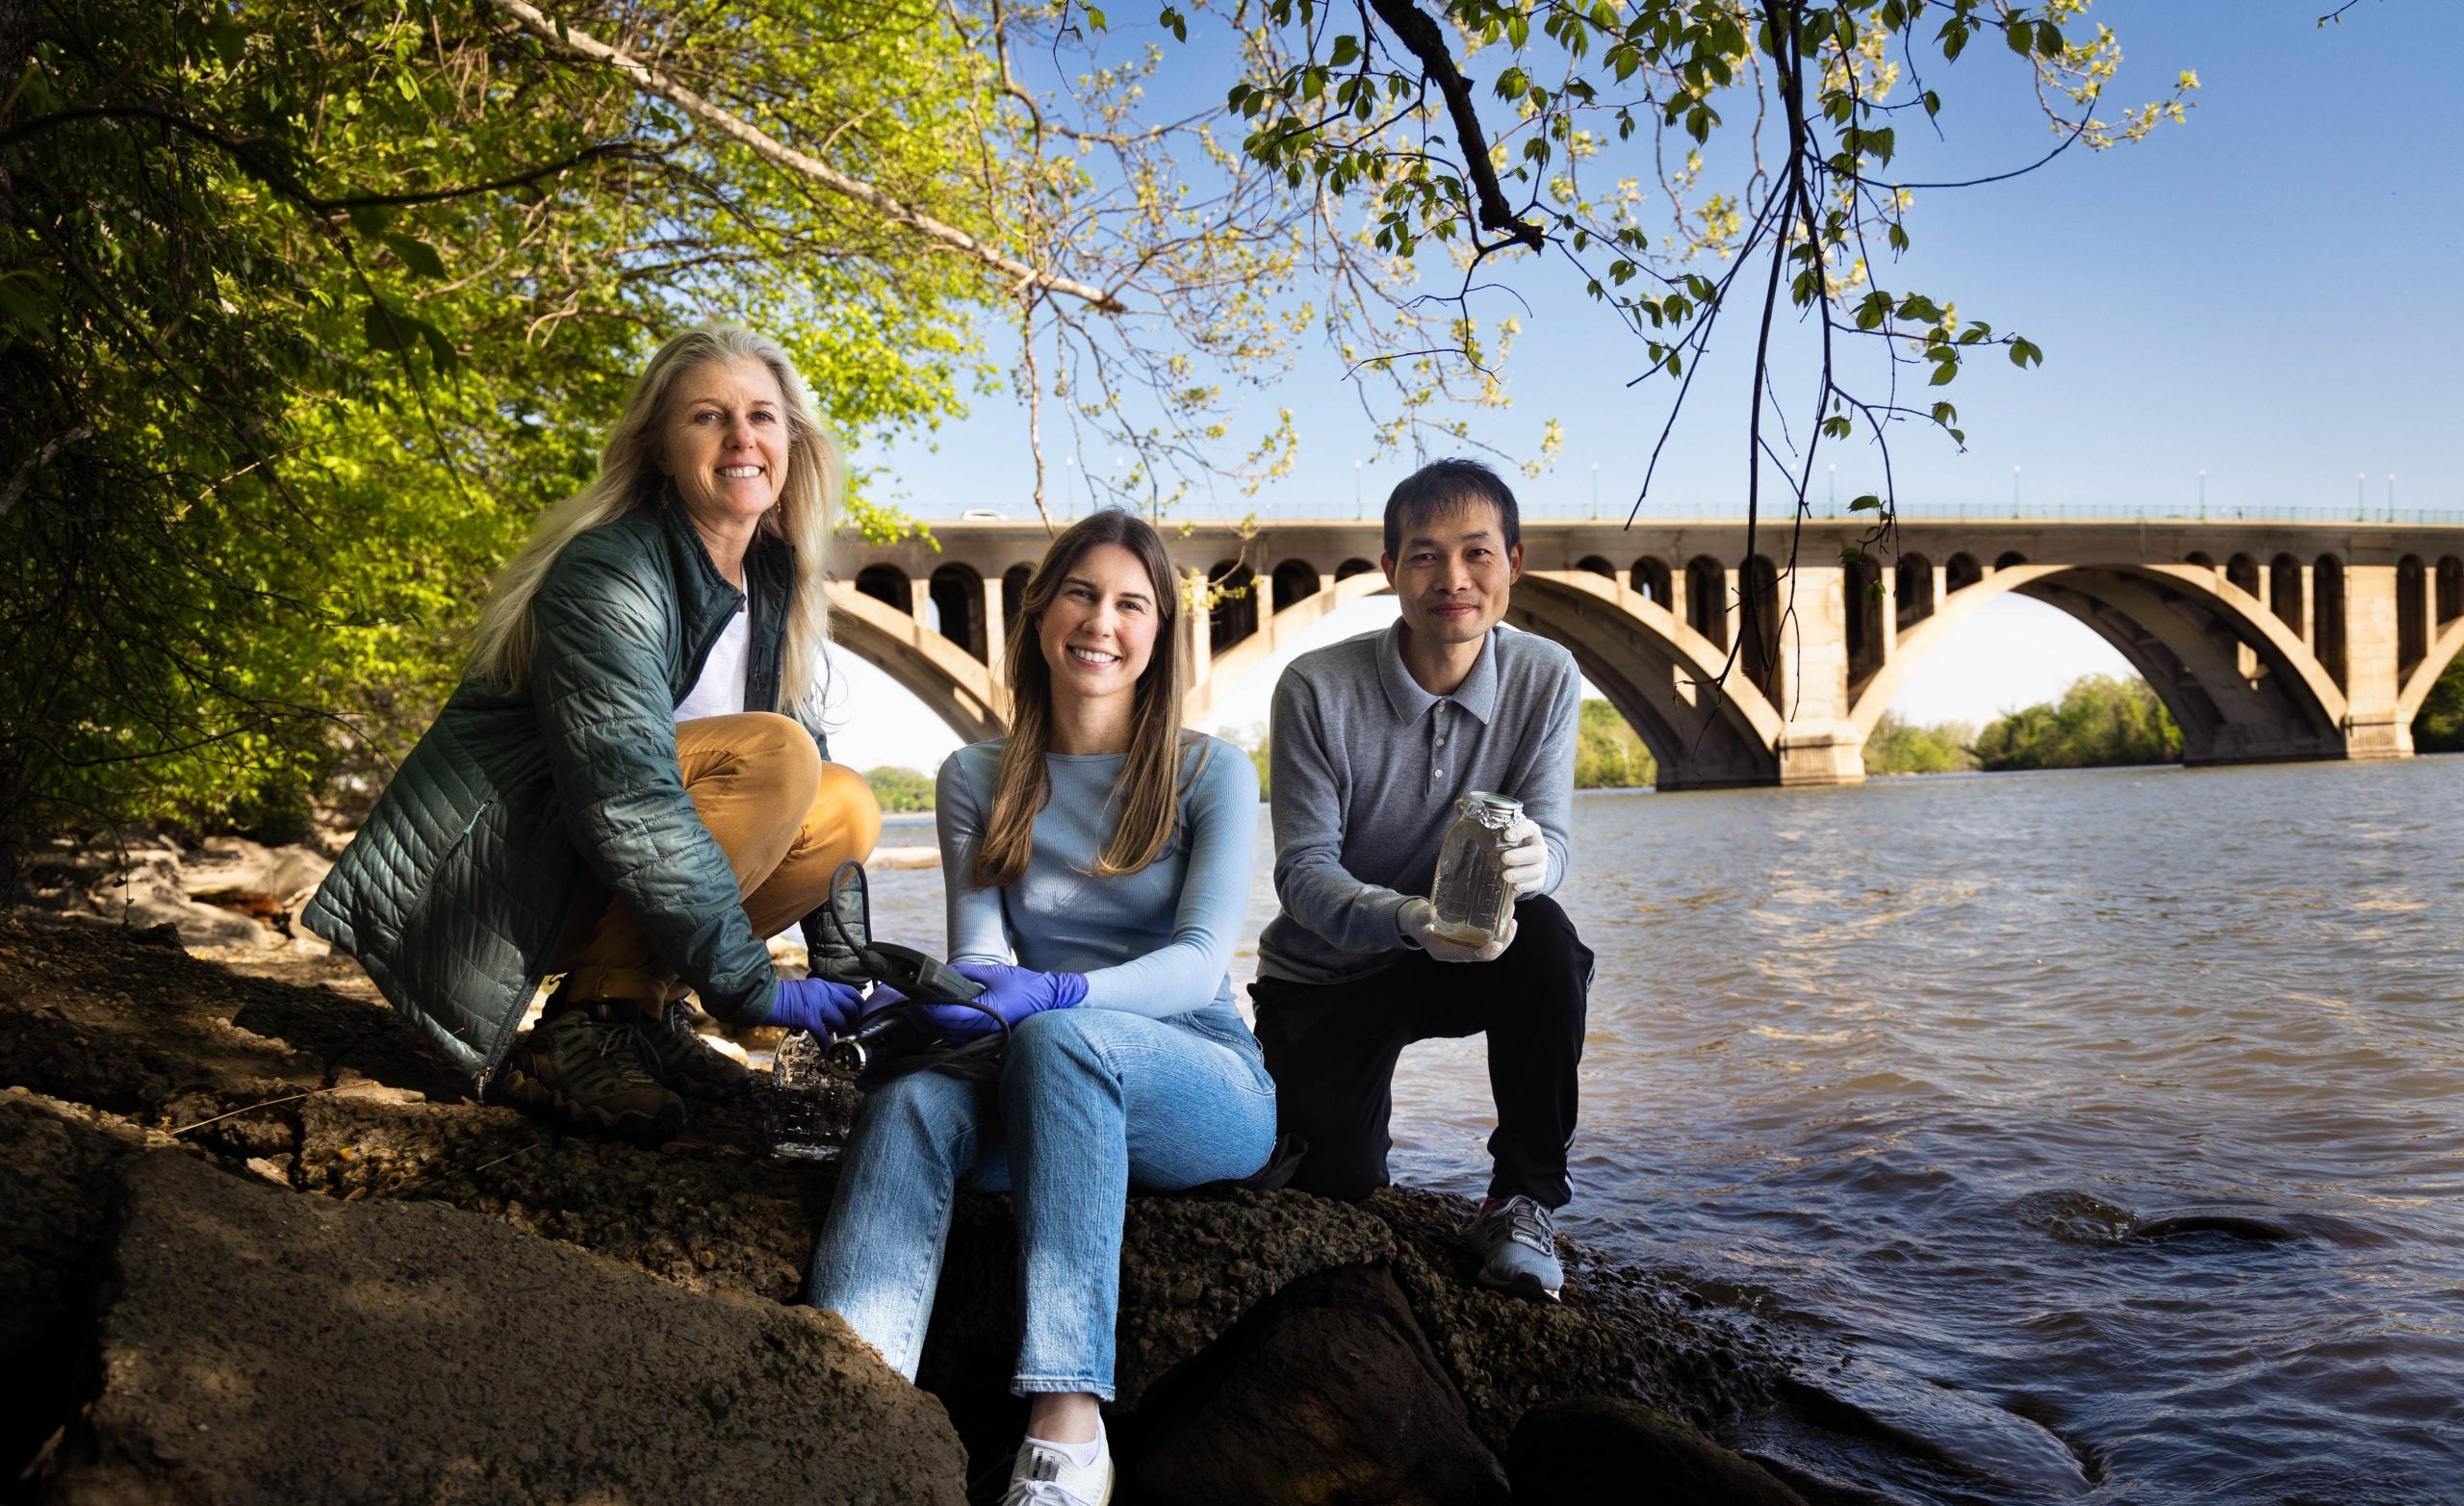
(1375, 740)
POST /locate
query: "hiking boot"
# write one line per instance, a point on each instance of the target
(679, 1057)
(828, 953)
(1517, 1248)
(593, 1072)
(1044, 1477)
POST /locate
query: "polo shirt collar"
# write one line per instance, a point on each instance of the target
(1478, 694)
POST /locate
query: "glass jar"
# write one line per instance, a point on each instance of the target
(1473, 899)
(797, 1104)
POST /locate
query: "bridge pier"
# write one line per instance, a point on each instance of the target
(2373, 726)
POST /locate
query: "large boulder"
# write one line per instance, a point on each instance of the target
(1600, 1448)
(1617, 1333)
(58, 1167)
(1191, 1264)
(1326, 1394)
(710, 1217)
(262, 1346)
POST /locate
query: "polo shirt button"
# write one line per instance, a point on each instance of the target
(1437, 774)
(1441, 741)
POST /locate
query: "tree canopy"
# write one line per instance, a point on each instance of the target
(307, 309)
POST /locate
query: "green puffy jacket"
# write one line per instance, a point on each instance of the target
(455, 892)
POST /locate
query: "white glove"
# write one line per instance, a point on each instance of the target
(1418, 920)
(1524, 854)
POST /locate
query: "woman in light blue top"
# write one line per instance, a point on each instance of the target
(1097, 863)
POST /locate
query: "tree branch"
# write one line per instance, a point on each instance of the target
(1414, 28)
(25, 476)
(650, 81)
(289, 186)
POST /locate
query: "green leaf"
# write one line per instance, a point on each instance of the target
(1868, 503)
(2022, 37)
(27, 305)
(230, 39)
(439, 349)
(1346, 51)
(370, 219)
(2025, 353)
(1095, 19)
(417, 255)
(1943, 373)
(386, 325)
(1174, 22)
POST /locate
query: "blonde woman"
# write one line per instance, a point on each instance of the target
(629, 786)
(1106, 853)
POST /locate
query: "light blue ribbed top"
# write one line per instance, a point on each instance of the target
(1156, 942)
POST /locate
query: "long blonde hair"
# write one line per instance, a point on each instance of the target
(630, 479)
(1148, 793)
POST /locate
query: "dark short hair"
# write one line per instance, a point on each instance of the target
(1439, 488)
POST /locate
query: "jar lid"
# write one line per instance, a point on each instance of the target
(1490, 810)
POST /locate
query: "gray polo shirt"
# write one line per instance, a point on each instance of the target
(1367, 766)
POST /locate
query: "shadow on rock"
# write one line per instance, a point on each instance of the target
(1328, 1392)
(259, 1347)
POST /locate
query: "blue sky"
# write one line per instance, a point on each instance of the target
(2264, 293)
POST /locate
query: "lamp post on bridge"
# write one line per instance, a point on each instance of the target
(2015, 491)
(1359, 508)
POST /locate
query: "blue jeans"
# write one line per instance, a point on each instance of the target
(1090, 1101)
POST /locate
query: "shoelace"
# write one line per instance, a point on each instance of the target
(1527, 1223)
(1041, 1493)
(610, 1051)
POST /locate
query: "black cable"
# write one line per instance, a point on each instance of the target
(977, 1059)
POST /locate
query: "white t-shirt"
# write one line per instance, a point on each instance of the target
(720, 691)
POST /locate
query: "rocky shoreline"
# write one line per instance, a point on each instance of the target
(253, 1224)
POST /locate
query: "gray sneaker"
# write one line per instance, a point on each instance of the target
(593, 1073)
(680, 1058)
(1517, 1248)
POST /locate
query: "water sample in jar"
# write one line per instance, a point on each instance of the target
(1473, 900)
(799, 1109)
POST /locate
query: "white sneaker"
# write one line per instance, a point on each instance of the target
(1044, 1477)
(1517, 1244)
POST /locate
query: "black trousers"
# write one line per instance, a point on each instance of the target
(1331, 1048)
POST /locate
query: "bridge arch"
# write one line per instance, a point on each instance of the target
(2415, 687)
(888, 585)
(1911, 591)
(1660, 675)
(2188, 635)
(955, 686)
(957, 594)
(1234, 616)
(1651, 580)
(1294, 580)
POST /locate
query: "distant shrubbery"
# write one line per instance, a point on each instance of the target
(1607, 755)
(1898, 746)
(2100, 720)
(2440, 727)
(900, 790)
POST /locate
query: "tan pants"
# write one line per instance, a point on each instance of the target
(786, 819)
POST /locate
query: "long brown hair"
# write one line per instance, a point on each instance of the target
(1148, 793)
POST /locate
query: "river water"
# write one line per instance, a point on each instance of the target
(1915, 1071)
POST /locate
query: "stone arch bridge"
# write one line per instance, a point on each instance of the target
(2267, 641)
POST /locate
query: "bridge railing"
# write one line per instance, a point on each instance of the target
(1563, 510)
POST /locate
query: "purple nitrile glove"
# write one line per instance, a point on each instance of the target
(1009, 995)
(816, 1005)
